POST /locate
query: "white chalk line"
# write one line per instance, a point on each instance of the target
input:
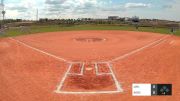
(59, 87)
(115, 79)
(112, 60)
(159, 43)
(82, 69)
(104, 74)
(172, 42)
(99, 73)
(90, 92)
(96, 68)
(41, 51)
(138, 50)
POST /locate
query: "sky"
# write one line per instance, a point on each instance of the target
(27, 9)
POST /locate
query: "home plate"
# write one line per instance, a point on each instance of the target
(89, 69)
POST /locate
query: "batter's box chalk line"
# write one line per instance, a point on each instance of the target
(81, 73)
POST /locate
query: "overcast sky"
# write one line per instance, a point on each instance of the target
(26, 9)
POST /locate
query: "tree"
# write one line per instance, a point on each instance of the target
(135, 21)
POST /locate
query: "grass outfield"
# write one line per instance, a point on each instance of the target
(52, 28)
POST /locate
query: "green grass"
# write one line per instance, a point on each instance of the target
(53, 28)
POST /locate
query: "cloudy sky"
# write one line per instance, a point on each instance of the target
(26, 9)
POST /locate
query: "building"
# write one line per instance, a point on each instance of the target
(113, 17)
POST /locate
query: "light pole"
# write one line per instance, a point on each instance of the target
(37, 15)
(3, 13)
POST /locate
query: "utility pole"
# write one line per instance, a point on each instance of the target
(37, 15)
(3, 11)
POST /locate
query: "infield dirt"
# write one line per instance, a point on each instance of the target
(30, 75)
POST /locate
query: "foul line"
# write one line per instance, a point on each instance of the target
(38, 50)
(138, 50)
(159, 43)
(113, 60)
(63, 79)
(115, 79)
